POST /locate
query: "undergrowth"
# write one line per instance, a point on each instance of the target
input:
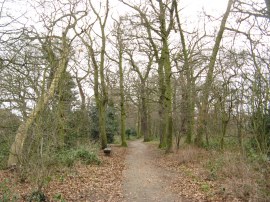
(244, 176)
(68, 157)
(6, 193)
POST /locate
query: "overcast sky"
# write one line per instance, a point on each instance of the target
(191, 8)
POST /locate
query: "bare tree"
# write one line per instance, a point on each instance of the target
(70, 20)
(100, 86)
(143, 93)
(161, 11)
(202, 118)
(121, 46)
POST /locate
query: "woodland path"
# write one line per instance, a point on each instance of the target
(143, 180)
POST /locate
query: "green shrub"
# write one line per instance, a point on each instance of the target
(130, 132)
(59, 197)
(70, 156)
(37, 196)
(214, 144)
(205, 187)
(87, 157)
(65, 157)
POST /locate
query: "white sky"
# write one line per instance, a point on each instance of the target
(211, 6)
(191, 8)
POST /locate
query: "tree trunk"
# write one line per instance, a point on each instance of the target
(101, 96)
(82, 95)
(189, 104)
(168, 99)
(165, 59)
(139, 134)
(161, 103)
(224, 130)
(144, 118)
(102, 126)
(203, 113)
(16, 149)
(122, 102)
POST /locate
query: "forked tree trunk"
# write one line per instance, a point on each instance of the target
(16, 149)
(165, 58)
(189, 103)
(102, 96)
(203, 113)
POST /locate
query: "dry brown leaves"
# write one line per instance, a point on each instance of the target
(191, 180)
(80, 183)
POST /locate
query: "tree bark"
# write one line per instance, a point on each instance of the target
(122, 102)
(144, 117)
(165, 58)
(16, 149)
(189, 103)
(203, 113)
(102, 96)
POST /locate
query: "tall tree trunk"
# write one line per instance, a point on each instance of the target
(165, 59)
(139, 134)
(144, 118)
(122, 102)
(161, 103)
(164, 67)
(143, 97)
(189, 90)
(203, 113)
(224, 131)
(168, 99)
(102, 96)
(16, 149)
(149, 116)
(99, 102)
(82, 95)
(102, 125)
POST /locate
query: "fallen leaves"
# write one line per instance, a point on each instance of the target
(185, 171)
(79, 183)
(193, 180)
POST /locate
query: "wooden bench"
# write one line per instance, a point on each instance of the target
(107, 151)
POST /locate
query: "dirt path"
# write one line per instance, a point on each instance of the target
(144, 181)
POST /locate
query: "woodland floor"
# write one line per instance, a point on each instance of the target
(141, 173)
